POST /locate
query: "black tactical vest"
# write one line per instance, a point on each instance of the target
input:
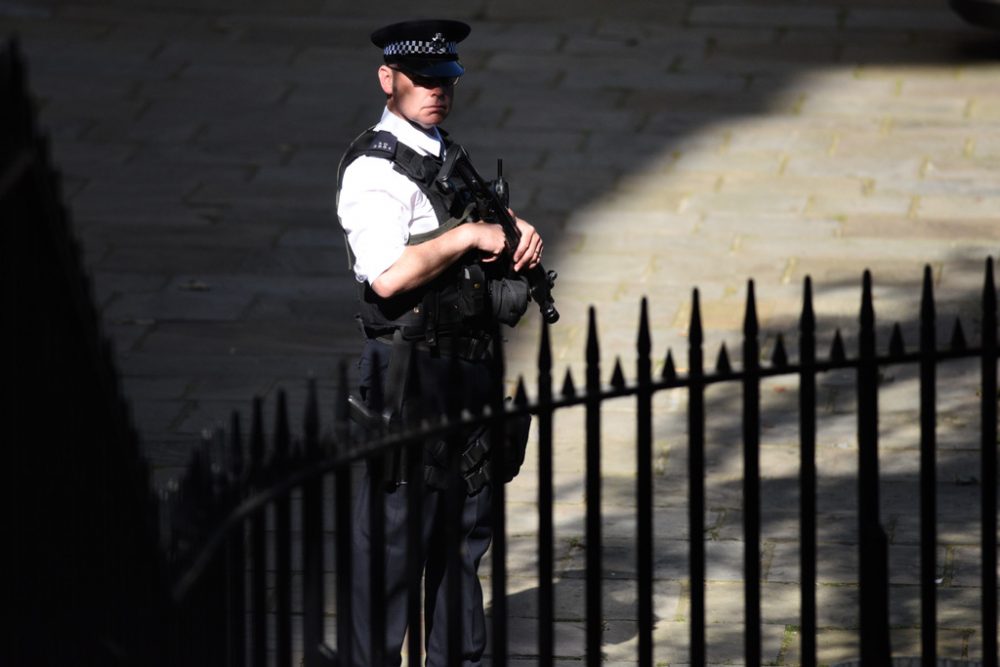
(440, 306)
(455, 303)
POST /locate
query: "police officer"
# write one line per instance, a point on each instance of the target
(426, 279)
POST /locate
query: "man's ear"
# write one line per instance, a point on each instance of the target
(385, 79)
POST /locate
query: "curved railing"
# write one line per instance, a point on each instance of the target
(265, 484)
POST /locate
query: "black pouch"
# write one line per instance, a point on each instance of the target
(515, 445)
(509, 299)
(475, 461)
(517, 430)
(472, 291)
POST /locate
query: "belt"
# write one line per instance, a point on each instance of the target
(468, 348)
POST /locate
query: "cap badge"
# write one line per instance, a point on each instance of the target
(438, 42)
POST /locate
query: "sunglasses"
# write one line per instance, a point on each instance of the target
(429, 81)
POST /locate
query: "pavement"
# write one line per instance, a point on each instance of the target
(658, 147)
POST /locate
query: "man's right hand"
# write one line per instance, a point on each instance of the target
(421, 263)
(487, 238)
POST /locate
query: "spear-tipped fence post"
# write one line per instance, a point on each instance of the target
(807, 474)
(236, 553)
(454, 501)
(751, 481)
(283, 539)
(312, 540)
(415, 491)
(644, 487)
(696, 482)
(376, 524)
(342, 503)
(988, 473)
(928, 473)
(873, 543)
(498, 454)
(258, 545)
(593, 491)
(546, 612)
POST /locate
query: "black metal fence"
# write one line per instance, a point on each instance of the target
(265, 484)
(252, 526)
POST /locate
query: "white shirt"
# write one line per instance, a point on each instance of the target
(379, 207)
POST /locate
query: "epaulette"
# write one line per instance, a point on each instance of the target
(383, 144)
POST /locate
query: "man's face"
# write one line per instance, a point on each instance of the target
(426, 102)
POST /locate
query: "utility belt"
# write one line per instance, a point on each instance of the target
(459, 303)
(468, 347)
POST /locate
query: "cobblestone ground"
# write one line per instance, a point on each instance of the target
(658, 146)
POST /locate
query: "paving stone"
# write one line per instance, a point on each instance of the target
(789, 16)
(905, 19)
(296, 30)
(134, 127)
(232, 53)
(104, 61)
(124, 337)
(176, 306)
(107, 285)
(192, 260)
(316, 126)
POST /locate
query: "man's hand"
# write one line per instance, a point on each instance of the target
(487, 238)
(528, 253)
(421, 263)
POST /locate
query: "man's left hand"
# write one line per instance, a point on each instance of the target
(528, 253)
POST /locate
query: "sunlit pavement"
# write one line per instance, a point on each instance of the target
(659, 147)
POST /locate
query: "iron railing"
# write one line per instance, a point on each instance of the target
(270, 484)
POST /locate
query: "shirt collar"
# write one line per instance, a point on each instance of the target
(429, 143)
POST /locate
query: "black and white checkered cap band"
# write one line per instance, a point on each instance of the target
(412, 47)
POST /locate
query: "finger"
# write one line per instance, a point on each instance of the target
(523, 250)
(530, 259)
(533, 254)
(536, 246)
(522, 262)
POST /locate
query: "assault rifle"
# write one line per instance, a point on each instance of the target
(490, 200)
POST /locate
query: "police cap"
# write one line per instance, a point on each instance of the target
(423, 48)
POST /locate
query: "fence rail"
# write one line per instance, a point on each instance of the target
(305, 465)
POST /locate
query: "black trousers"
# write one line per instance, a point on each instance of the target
(433, 386)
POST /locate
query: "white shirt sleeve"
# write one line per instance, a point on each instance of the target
(378, 207)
